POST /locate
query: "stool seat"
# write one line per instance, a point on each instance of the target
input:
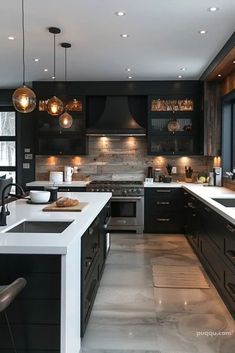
(9, 292)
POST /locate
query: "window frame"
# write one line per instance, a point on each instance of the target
(10, 138)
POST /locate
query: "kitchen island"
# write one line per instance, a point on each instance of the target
(46, 316)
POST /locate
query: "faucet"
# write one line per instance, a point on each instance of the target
(5, 212)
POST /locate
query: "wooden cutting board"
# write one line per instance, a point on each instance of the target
(53, 208)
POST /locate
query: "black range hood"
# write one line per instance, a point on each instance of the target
(116, 119)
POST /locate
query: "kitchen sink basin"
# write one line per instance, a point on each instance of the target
(225, 202)
(40, 227)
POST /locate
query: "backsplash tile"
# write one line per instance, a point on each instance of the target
(112, 156)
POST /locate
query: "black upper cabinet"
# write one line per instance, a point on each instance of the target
(52, 139)
(175, 123)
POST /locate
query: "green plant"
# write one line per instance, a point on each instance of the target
(169, 169)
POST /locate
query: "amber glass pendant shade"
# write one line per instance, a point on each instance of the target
(24, 99)
(55, 106)
(66, 120)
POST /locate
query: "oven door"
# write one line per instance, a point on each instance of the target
(126, 211)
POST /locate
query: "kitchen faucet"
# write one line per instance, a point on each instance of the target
(5, 212)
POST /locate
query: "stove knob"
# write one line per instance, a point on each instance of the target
(134, 191)
(124, 192)
(138, 191)
(92, 189)
(102, 190)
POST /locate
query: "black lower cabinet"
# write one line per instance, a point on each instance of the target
(93, 255)
(212, 238)
(163, 208)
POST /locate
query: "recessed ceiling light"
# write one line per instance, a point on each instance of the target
(130, 77)
(180, 76)
(45, 70)
(36, 60)
(120, 13)
(128, 69)
(219, 75)
(213, 9)
(183, 68)
(11, 38)
(124, 35)
(203, 31)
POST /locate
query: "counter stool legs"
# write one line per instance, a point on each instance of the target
(7, 295)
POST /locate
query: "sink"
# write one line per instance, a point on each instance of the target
(225, 202)
(40, 227)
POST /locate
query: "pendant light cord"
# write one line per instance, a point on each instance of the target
(54, 56)
(65, 64)
(23, 42)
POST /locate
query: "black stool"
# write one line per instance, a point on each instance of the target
(7, 295)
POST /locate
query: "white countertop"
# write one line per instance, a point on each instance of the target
(42, 183)
(205, 193)
(49, 243)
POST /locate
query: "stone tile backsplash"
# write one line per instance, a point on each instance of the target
(123, 156)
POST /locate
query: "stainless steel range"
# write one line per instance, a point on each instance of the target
(127, 203)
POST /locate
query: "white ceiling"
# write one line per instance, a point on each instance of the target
(163, 37)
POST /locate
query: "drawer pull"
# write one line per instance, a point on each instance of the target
(163, 219)
(207, 209)
(230, 228)
(88, 261)
(231, 288)
(231, 253)
(163, 203)
(164, 190)
(190, 205)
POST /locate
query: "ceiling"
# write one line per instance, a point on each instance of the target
(163, 37)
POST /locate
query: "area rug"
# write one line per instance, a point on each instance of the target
(179, 277)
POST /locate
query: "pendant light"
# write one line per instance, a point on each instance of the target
(65, 120)
(23, 98)
(55, 106)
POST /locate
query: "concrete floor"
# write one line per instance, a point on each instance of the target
(131, 316)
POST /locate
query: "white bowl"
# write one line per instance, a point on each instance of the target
(38, 196)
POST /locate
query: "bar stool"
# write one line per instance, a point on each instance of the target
(7, 295)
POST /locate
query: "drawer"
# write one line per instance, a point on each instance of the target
(164, 223)
(229, 284)
(229, 250)
(163, 192)
(163, 203)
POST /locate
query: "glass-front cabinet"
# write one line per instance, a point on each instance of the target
(172, 126)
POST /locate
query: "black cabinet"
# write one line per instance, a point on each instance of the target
(163, 210)
(93, 255)
(174, 125)
(52, 139)
(212, 238)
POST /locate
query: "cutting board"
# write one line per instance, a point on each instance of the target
(53, 208)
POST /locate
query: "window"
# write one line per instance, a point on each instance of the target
(8, 143)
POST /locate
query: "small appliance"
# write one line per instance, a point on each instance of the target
(217, 173)
(56, 177)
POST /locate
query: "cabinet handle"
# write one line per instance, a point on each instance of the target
(207, 209)
(91, 231)
(190, 205)
(231, 288)
(163, 219)
(163, 203)
(230, 228)
(88, 261)
(194, 214)
(231, 253)
(164, 190)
